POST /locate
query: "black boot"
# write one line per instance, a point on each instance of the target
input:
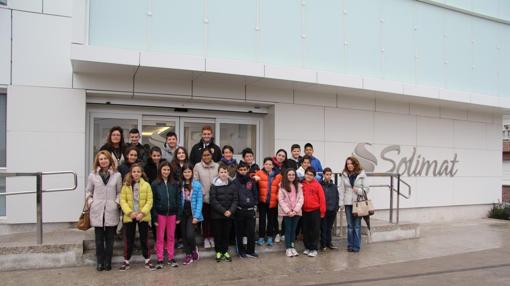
(99, 267)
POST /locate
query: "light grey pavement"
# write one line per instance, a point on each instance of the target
(463, 253)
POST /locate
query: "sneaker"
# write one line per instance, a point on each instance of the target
(288, 252)
(188, 259)
(323, 249)
(252, 255)
(312, 253)
(211, 241)
(282, 237)
(242, 255)
(306, 252)
(179, 245)
(207, 243)
(124, 266)
(269, 241)
(277, 238)
(331, 246)
(149, 265)
(173, 263)
(195, 255)
(245, 240)
(108, 267)
(218, 257)
(294, 252)
(159, 265)
(260, 242)
(227, 257)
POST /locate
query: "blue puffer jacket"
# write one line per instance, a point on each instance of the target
(196, 200)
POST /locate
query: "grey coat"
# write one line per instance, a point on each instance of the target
(104, 199)
(347, 195)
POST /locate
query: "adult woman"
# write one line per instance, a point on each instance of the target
(103, 190)
(205, 171)
(180, 158)
(353, 183)
(115, 145)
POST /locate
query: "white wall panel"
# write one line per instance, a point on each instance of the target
(5, 46)
(261, 93)
(314, 98)
(26, 5)
(391, 106)
(219, 89)
(299, 122)
(58, 7)
(339, 124)
(41, 50)
(493, 136)
(392, 128)
(435, 132)
(469, 134)
(424, 110)
(356, 102)
(53, 142)
(477, 190)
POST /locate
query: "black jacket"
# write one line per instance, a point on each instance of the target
(291, 163)
(151, 170)
(166, 198)
(124, 169)
(195, 155)
(223, 198)
(247, 190)
(332, 195)
(142, 156)
(117, 153)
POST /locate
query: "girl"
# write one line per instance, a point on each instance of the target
(280, 161)
(353, 183)
(191, 206)
(229, 161)
(103, 189)
(180, 158)
(314, 208)
(268, 182)
(166, 210)
(224, 199)
(131, 156)
(290, 200)
(151, 168)
(136, 203)
(115, 145)
(204, 172)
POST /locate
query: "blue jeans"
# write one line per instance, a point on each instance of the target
(290, 230)
(353, 229)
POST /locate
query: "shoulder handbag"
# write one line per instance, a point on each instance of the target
(363, 206)
(84, 220)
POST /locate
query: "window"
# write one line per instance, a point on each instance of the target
(239, 136)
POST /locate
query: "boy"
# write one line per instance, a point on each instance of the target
(134, 139)
(170, 146)
(315, 163)
(305, 163)
(295, 160)
(332, 203)
(245, 215)
(249, 160)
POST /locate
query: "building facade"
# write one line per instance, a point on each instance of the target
(417, 87)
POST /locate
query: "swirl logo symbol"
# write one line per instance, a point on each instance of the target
(367, 160)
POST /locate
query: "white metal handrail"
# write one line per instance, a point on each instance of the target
(39, 191)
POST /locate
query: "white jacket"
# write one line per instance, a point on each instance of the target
(347, 195)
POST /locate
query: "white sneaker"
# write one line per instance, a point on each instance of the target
(306, 252)
(245, 240)
(288, 252)
(277, 238)
(282, 237)
(207, 243)
(211, 241)
(294, 252)
(312, 253)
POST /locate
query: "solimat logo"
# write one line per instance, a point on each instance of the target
(413, 165)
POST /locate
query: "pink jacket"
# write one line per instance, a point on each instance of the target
(286, 201)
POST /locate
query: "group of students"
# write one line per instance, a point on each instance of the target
(167, 190)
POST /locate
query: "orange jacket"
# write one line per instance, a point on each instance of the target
(264, 187)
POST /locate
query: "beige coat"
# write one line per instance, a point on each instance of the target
(104, 199)
(205, 175)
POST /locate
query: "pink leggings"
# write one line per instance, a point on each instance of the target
(165, 223)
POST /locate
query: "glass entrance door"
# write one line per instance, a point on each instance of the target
(155, 128)
(191, 130)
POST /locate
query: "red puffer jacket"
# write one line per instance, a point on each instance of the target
(314, 197)
(264, 187)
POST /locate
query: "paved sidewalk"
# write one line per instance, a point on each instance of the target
(463, 253)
